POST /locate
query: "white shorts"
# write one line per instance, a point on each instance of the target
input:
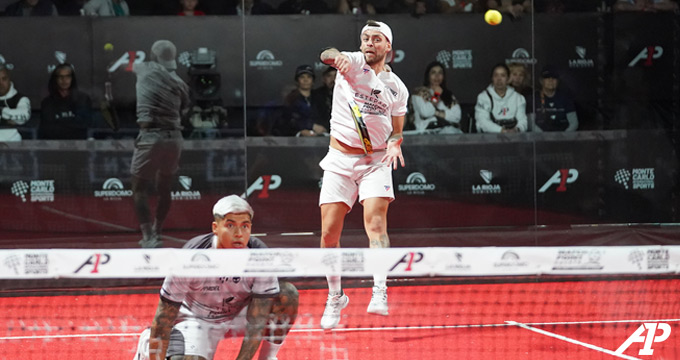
(346, 176)
(195, 337)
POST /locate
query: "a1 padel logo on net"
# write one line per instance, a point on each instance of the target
(648, 339)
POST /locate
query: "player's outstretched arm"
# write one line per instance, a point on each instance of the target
(166, 313)
(257, 315)
(333, 57)
(393, 156)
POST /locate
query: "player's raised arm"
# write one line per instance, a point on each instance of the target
(333, 57)
(257, 316)
(166, 313)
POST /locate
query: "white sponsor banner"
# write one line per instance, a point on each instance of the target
(441, 261)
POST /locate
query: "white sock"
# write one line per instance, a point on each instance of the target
(380, 280)
(268, 350)
(334, 284)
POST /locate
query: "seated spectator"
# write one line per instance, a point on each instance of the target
(514, 8)
(31, 8)
(189, 8)
(645, 5)
(519, 80)
(106, 8)
(356, 7)
(296, 115)
(499, 108)
(67, 112)
(434, 106)
(304, 7)
(252, 7)
(322, 101)
(15, 108)
(555, 110)
(413, 7)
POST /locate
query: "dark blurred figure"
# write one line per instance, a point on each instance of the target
(69, 7)
(645, 5)
(356, 7)
(31, 8)
(66, 113)
(251, 7)
(413, 7)
(304, 7)
(189, 8)
(322, 101)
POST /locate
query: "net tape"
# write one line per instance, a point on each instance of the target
(431, 261)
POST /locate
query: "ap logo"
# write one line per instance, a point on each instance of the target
(648, 339)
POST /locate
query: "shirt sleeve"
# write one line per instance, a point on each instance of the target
(175, 289)
(401, 105)
(266, 287)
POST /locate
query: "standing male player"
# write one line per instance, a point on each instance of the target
(161, 97)
(367, 118)
(194, 314)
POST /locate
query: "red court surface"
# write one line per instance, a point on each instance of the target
(545, 320)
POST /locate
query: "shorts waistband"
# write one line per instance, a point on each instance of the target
(336, 151)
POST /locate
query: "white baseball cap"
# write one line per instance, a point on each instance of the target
(380, 26)
(232, 204)
(165, 52)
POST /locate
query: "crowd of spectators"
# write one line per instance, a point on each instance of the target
(513, 8)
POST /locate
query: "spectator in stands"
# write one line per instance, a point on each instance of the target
(66, 113)
(413, 7)
(434, 105)
(15, 108)
(514, 8)
(645, 5)
(499, 108)
(555, 110)
(322, 101)
(252, 7)
(356, 7)
(189, 8)
(304, 7)
(296, 116)
(31, 8)
(459, 6)
(519, 80)
(106, 8)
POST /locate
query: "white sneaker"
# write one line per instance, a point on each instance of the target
(152, 242)
(378, 304)
(331, 315)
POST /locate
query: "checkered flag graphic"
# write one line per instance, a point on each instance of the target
(444, 57)
(13, 263)
(20, 188)
(622, 177)
(637, 257)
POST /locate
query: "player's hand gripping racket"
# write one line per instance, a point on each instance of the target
(360, 125)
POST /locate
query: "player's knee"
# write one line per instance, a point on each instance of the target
(375, 224)
(288, 293)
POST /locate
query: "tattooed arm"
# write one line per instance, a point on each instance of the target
(166, 313)
(258, 314)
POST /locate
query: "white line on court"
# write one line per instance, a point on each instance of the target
(387, 328)
(572, 341)
(102, 223)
